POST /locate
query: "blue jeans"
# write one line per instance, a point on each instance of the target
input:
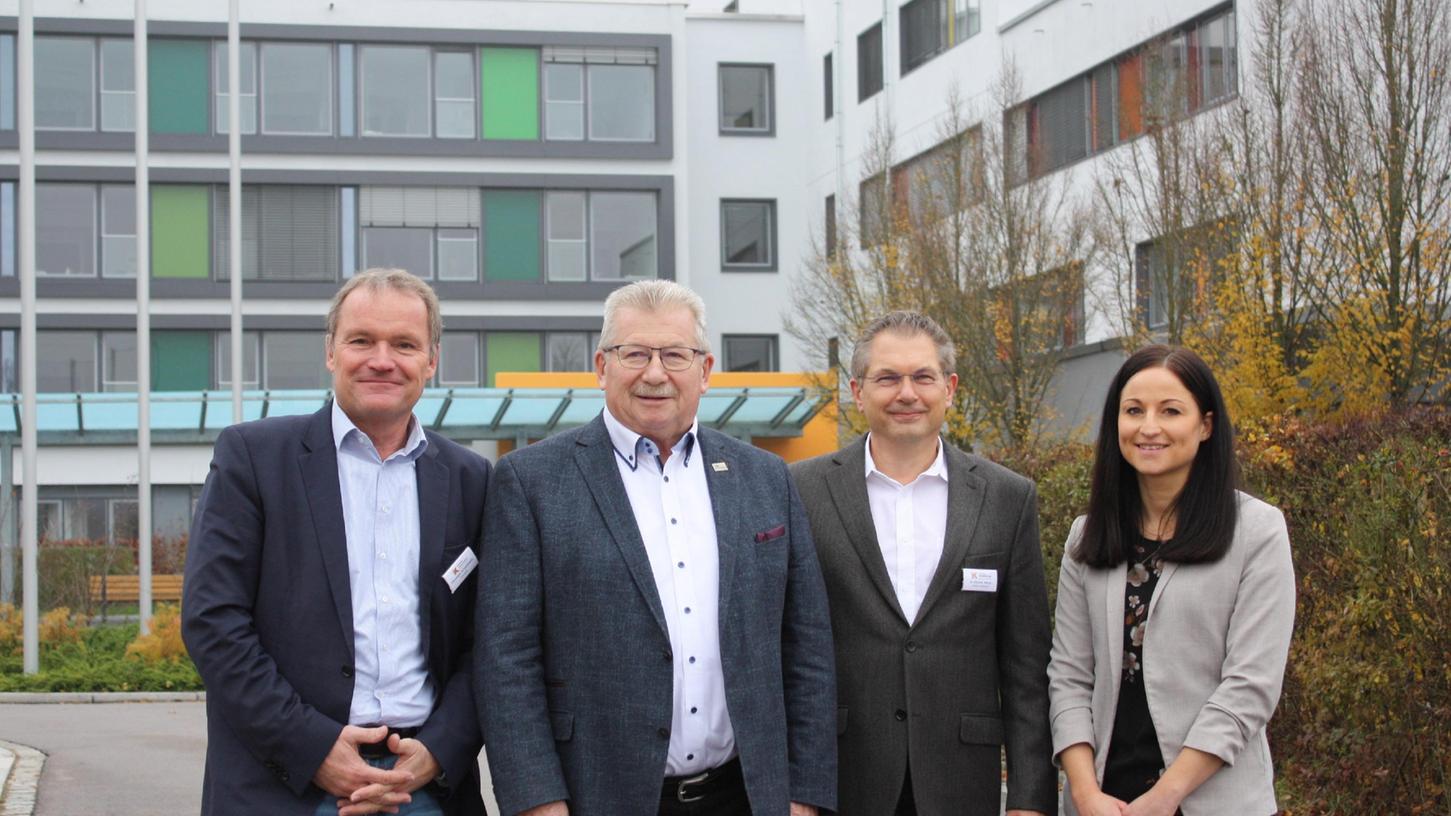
(423, 803)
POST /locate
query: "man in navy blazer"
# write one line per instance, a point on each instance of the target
(653, 634)
(329, 589)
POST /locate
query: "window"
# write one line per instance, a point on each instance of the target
(568, 254)
(118, 231)
(247, 82)
(829, 81)
(293, 360)
(395, 90)
(831, 226)
(747, 104)
(458, 360)
(748, 235)
(118, 361)
(1058, 127)
(923, 186)
(749, 352)
(929, 27)
(65, 361)
(65, 81)
(250, 354)
(7, 82)
(869, 76)
(65, 230)
(603, 94)
(288, 232)
(432, 232)
(875, 218)
(568, 351)
(622, 236)
(118, 86)
(453, 94)
(297, 83)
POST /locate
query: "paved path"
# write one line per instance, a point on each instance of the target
(115, 759)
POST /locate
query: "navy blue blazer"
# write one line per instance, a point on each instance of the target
(267, 613)
(573, 667)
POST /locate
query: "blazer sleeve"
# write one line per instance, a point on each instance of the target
(1257, 642)
(1070, 670)
(224, 556)
(452, 729)
(509, 651)
(1023, 644)
(808, 668)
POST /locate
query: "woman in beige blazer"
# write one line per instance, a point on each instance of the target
(1176, 600)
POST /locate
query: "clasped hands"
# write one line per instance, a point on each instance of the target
(363, 789)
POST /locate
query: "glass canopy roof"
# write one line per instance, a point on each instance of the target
(461, 414)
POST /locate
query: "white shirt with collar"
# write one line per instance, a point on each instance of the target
(380, 514)
(672, 509)
(911, 525)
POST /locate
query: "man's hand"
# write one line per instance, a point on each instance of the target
(413, 757)
(551, 809)
(798, 809)
(343, 771)
(1099, 803)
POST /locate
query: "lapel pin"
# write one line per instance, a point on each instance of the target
(719, 467)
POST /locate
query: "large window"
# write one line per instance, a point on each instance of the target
(293, 359)
(929, 27)
(569, 351)
(869, 76)
(80, 227)
(251, 344)
(65, 362)
(417, 91)
(65, 83)
(288, 232)
(247, 82)
(600, 94)
(118, 86)
(297, 88)
(748, 235)
(432, 232)
(747, 100)
(749, 352)
(453, 94)
(613, 232)
(458, 361)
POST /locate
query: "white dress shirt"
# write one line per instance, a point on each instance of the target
(672, 508)
(380, 514)
(911, 524)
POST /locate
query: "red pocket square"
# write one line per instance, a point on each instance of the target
(775, 532)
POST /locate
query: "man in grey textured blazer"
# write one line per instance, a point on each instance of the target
(652, 626)
(938, 604)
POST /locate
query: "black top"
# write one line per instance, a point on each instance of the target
(1134, 762)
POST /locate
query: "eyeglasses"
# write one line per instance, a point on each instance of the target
(673, 358)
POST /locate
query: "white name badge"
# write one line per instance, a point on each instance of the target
(979, 580)
(460, 569)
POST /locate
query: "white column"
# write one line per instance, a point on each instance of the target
(234, 196)
(25, 127)
(143, 319)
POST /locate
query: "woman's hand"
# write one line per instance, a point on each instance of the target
(1098, 803)
(1156, 802)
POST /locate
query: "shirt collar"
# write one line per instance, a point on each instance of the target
(631, 447)
(343, 427)
(938, 467)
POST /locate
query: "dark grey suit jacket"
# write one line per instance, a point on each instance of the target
(574, 670)
(968, 676)
(267, 613)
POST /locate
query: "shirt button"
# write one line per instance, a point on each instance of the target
(667, 478)
(690, 756)
(687, 610)
(911, 646)
(382, 555)
(387, 508)
(347, 672)
(692, 709)
(692, 660)
(900, 715)
(385, 599)
(672, 521)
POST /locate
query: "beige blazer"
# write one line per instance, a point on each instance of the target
(1214, 657)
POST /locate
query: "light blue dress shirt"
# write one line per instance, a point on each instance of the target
(380, 512)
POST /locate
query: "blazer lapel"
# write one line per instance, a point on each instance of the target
(725, 503)
(1170, 568)
(319, 462)
(964, 506)
(433, 493)
(848, 486)
(1115, 580)
(595, 456)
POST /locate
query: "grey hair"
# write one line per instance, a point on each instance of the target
(653, 296)
(910, 324)
(396, 280)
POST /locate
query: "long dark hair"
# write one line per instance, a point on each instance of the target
(1204, 511)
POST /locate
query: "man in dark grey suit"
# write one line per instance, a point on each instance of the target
(652, 626)
(938, 605)
(329, 589)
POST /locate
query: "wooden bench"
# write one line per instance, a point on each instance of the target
(127, 588)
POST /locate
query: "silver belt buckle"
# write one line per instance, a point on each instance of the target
(694, 780)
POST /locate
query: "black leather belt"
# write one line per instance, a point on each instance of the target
(379, 750)
(702, 785)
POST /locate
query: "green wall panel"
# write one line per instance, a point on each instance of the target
(509, 86)
(511, 235)
(180, 230)
(511, 351)
(179, 90)
(181, 360)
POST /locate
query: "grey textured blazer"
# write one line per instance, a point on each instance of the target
(946, 692)
(574, 666)
(1214, 656)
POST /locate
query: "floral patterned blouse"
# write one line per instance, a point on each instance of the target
(1134, 762)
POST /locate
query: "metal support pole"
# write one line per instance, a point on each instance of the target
(29, 535)
(143, 320)
(234, 196)
(7, 526)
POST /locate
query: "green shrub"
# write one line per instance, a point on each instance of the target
(98, 662)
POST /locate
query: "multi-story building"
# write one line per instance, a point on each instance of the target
(525, 156)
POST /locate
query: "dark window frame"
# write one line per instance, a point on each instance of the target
(767, 132)
(865, 76)
(773, 239)
(773, 350)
